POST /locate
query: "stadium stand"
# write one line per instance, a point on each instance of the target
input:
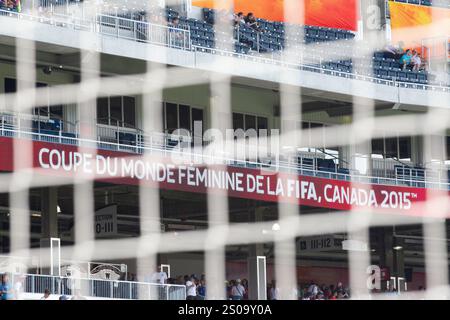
(268, 38)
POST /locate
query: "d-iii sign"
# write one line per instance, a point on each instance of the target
(106, 221)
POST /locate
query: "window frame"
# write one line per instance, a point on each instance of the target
(177, 104)
(132, 126)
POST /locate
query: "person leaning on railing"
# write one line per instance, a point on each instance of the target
(177, 36)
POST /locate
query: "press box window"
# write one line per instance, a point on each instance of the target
(117, 111)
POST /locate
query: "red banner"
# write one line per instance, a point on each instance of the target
(337, 14)
(126, 168)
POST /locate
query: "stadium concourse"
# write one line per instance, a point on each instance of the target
(176, 151)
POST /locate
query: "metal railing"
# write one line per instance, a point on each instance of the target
(320, 68)
(97, 288)
(180, 38)
(123, 28)
(167, 146)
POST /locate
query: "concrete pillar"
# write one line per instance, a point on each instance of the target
(417, 149)
(348, 158)
(399, 258)
(256, 264)
(391, 253)
(434, 147)
(345, 157)
(49, 212)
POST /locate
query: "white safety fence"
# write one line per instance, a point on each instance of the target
(94, 288)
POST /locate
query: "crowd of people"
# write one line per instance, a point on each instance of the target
(409, 59)
(10, 5)
(237, 289)
(313, 291)
(236, 19)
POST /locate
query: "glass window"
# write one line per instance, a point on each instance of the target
(171, 117)
(197, 115)
(250, 122)
(378, 146)
(10, 85)
(184, 114)
(404, 145)
(391, 147)
(42, 111)
(102, 111)
(129, 112)
(238, 121)
(263, 123)
(56, 112)
(115, 109)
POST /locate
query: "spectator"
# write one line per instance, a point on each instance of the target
(175, 23)
(250, 20)
(176, 35)
(274, 291)
(202, 290)
(405, 60)
(313, 289)
(6, 291)
(416, 61)
(63, 297)
(339, 287)
(159, 277)
(227, 289)
(237, 291)
(245, 285)
(191, 288)
(46, 295)
(239, 19)
(18, 287)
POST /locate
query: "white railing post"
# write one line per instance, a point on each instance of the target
(32, 284)
(117, 27)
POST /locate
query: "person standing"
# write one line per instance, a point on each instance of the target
(6, 291)
(202, 290)
(159, 277)
(274, 291)
(191, 288)
(237, 291)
